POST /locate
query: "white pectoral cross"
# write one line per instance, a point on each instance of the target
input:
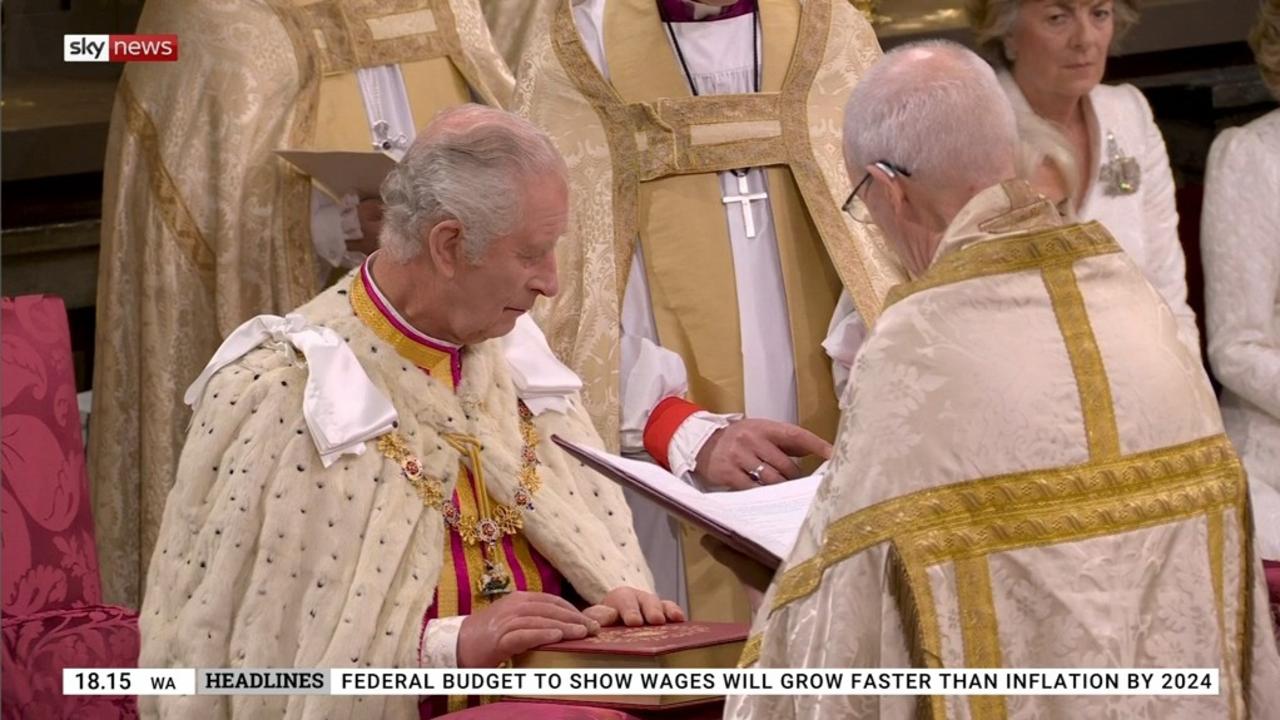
(745, 197)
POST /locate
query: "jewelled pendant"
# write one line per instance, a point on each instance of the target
(1121, 174)
(495, 580)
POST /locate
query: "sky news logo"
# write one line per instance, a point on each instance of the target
(119, 48)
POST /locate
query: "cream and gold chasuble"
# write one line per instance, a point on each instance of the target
(205, 227)
(1030, 473)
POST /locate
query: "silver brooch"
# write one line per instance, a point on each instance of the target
(1120, 174)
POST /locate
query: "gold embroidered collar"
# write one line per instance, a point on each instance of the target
(443, 362)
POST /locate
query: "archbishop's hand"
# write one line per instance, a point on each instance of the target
(518, 622)
(732, 454)
(634, 607)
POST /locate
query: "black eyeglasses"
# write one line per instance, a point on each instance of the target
(856, 208)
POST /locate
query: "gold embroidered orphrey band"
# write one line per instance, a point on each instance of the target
(965, 522)
(1031, 251)
(988, 515)
(330, 38)
(173, 210)
(368, 33)
(692, 135)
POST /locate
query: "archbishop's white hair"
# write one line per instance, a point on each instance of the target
(471, 164)
(935, 109)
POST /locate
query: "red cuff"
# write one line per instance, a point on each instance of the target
(665, 419)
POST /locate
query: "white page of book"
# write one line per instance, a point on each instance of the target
(771, 515)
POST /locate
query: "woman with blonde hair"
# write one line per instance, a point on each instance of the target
(1241, 247)
(1051, 56)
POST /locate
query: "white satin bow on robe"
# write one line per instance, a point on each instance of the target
(342, 407)
(542, 381)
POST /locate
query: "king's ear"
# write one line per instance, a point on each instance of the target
(443, 244)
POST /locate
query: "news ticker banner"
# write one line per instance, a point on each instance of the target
(606, 682)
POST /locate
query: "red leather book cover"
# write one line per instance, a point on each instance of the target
(654, 639)
(672, 646)
(651, 640)
(675, 645)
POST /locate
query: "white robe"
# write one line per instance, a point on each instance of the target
(1240, 242)
(1145, 222)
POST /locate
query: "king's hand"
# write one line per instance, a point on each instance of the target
(517, 623)
(634, 607)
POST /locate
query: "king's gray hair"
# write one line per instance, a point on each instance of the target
(947, 122)
(470, 164)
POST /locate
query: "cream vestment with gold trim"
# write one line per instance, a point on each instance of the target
(1030, 473)
(204, 226)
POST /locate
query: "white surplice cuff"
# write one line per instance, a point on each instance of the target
(688, 439)
(341, 405)
(845, 335)
(439, 646)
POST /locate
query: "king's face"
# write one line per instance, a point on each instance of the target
(515, 269)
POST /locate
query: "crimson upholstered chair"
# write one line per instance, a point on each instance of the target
(53, 616)
(1273, 584)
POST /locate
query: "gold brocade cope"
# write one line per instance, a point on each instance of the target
(443, 53)
(350, 35)
(667, 147)
(1030, 251)
(418, 36)
(633, 147)
(442, 50)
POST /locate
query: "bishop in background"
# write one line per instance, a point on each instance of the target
(1031, 470)
(706, 254)
(370, 481)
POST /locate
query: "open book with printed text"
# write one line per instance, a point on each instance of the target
(761, 523)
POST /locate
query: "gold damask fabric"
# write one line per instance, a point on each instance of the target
(655, 183)
(621, 145)
(204, 227)
(514, 25)
(1030, 472)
